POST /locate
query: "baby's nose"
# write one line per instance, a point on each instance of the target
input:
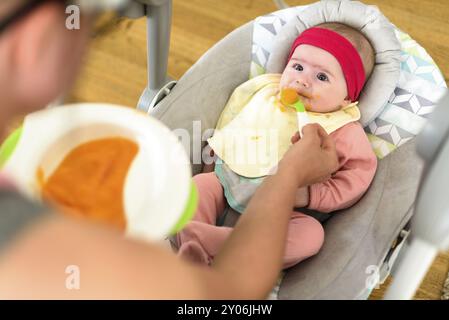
(302, 83)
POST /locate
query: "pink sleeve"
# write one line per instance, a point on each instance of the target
(357, 166)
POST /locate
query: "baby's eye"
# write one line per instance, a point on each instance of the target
(298, 67)
(322, 77)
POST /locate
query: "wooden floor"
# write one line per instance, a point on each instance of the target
(115, 67)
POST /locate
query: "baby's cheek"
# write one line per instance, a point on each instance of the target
(284, 80)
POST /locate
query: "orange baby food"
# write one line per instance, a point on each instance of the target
(289, 96)
(90, 180)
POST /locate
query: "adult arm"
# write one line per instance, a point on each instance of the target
(35, 264)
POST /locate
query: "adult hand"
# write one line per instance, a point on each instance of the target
(312, 158)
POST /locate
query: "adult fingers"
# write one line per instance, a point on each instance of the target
(311, 132)
(327, 143)
(295, 138)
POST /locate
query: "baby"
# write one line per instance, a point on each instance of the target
(327, 66)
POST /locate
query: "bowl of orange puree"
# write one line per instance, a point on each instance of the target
(106, 163)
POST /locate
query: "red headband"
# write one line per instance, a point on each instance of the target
(343, 50)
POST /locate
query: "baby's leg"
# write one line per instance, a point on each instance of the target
(304, 239)
(201, 239)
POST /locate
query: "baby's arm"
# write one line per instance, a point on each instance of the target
(357, 166)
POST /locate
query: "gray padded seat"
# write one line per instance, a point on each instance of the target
(355, 238)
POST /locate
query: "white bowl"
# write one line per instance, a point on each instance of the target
(159, 196)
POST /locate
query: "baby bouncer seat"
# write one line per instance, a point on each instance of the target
(362, 241)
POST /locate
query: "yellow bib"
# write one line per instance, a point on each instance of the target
(254, 129)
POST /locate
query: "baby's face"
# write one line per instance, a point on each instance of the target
(317, 76)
